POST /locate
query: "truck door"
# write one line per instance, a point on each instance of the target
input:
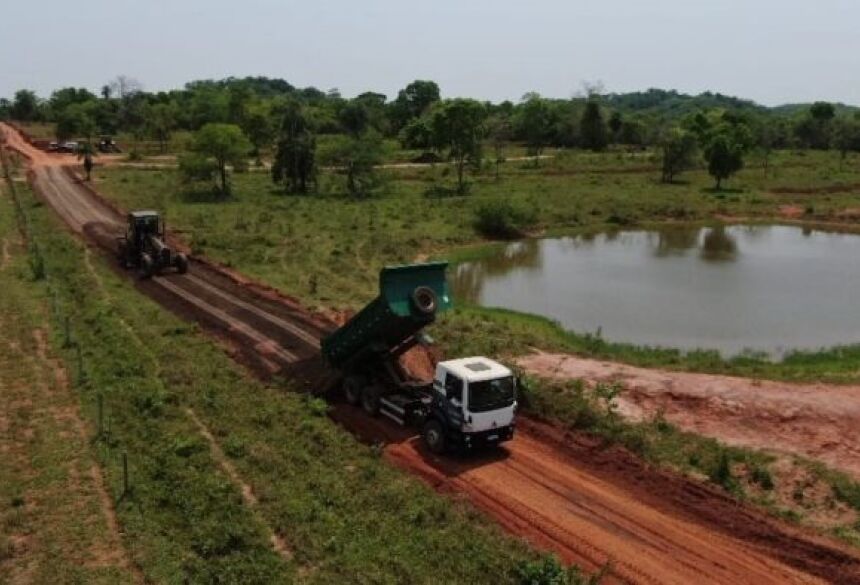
(453, 399)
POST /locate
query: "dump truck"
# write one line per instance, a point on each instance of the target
(470, 402)
(143, 246)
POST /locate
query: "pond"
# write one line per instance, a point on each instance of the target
(733, 288)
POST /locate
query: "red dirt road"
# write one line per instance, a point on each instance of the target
(813, 420)
(587, 503)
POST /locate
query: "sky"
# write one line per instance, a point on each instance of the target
(770, 51)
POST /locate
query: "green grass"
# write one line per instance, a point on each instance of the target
(327, 249)
(346, 514)
(52, 523)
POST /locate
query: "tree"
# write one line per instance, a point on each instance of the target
(160, 122)
(354, 118)
(357, 156)
(75, 121)
(814, 130)
(499, 131)
(413, 101)
(593, 128)
(725, 152)
(359, 152)
(616, 123)
(458, 126)
(678, 152)
(226, 144)
(417, 134)
(535, 123)
(257, 124)
(846, 137)
(63, 98)
(295, 152)
(124, 87)
(86, 151)
(822, 111)
(25, 106)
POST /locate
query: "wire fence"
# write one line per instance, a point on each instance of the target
(104, 439)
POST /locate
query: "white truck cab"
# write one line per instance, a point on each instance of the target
(476, 402)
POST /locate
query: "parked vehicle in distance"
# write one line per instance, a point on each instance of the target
(68, 147)
(108, 145)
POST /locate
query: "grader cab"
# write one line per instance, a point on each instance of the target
(143, 246)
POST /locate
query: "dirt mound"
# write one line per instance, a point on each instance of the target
(813, 420)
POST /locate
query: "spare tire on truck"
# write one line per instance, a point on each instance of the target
(424, 300)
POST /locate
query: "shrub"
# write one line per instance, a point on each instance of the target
(502, 219)
(196, 168)
(549, 571)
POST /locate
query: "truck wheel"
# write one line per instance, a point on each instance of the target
(370, 399)
(424, 299)
(181, 263)
(147, 266)
(122, 255)
(352, 386)
(434, 436)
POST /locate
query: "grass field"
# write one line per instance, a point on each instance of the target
(326, 249)
(340, 510)
(54, 525)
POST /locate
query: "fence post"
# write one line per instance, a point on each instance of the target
(82, 376)
(67, 333)
(124, 474)
(100, 399)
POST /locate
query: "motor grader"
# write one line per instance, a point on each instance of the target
(143, 246)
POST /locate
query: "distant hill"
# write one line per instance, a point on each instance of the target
(792, 109)
(671, 103)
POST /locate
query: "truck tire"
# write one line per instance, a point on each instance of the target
(181, 262)
(147, 266)
(434, 436)
(424, 300)
(352, 387)
(122, 255)
(370, 399)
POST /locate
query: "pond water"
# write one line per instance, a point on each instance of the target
(731, 288)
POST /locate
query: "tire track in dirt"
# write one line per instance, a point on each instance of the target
(589, 505)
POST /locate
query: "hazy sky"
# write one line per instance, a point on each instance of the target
(768, 50)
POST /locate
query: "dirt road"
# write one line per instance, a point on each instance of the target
(814, 420)
(586, 503)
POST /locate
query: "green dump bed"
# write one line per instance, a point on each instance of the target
(409, 299)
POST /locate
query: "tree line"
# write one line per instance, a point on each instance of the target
(236, 117)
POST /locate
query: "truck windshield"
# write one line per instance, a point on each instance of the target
(491, 394)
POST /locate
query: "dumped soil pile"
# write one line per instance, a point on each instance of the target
(813, 420)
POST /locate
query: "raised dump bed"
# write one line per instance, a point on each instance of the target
(409, 299)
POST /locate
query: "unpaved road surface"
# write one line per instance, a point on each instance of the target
(589, 504)
(820, 421)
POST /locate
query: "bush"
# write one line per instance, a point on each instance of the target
(196, 168)
(502, 219)
(548, 571)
